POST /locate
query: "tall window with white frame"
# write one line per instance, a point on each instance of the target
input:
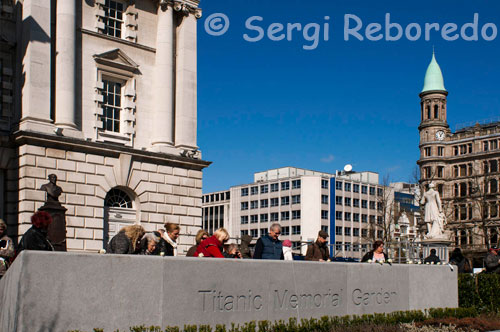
(112, 93)
(113, 18)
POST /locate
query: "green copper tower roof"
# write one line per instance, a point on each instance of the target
(433, 77)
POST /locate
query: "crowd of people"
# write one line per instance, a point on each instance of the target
(134, 239)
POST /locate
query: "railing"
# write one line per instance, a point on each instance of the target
(469, 124)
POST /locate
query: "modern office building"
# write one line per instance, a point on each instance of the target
(216, 211)
(463, 164)
(348, 205)
(102, 94)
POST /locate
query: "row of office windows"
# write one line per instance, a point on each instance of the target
(264, 203)
(354, 187)
(354, 202)
(273, 187)
(347, 246)
(348, 216)
(285, 231)
(339, 230)
(217, 197)
(274, 216)
(339, 185)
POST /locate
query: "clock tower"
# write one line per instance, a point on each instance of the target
(434, 129)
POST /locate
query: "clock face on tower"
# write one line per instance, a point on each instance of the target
(440, 135)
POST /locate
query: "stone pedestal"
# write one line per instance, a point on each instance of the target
(57, 229)
(441, 245)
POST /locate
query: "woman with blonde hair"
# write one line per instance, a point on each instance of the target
(213, 246)
(127, 241)
(200, 236)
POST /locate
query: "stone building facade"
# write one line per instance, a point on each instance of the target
(101, 93)
(463, 164)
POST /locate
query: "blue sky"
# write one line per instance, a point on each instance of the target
(269, 104)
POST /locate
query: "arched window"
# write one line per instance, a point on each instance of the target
(436, 112)
(118, 198)
(428, 112)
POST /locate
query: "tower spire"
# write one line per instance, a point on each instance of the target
(433, 80)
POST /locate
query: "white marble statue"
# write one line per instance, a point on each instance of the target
(434, 217)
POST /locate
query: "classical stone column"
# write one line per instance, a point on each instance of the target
(65, 64)
(186, 84)
(35, 32)
(163, 81)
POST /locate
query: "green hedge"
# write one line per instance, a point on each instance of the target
(481, 291)
(324, 324)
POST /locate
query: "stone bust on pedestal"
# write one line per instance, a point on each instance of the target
(53, 190)
(57, 229)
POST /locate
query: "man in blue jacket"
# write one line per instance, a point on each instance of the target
(269, 246)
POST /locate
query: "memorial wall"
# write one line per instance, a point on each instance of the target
(65, 291)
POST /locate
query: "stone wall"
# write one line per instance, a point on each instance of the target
(114, 292)
(161, 191)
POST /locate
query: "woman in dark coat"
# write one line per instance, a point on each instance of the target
(377, 254)
(458, 259)
(35, 238)
(127, 241)
(168, 241)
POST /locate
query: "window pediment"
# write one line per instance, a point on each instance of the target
(118, 59)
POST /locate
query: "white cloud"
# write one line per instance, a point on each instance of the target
(328, 159)
(392, 169)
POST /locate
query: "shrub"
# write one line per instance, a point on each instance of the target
(378, 322)
(481, 292)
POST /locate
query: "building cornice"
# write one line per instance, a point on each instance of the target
(463, 140)
(433, 92)
(73, 144)
(461, 158)
(433, 123)
(118, 40)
